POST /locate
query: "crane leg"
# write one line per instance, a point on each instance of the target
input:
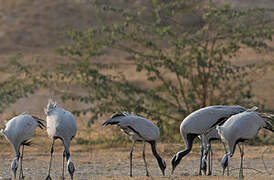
(130, 158)
(209, 160)
(202, 154)
(64, 154)
(241, 175)
(228, 164)
(21, 175)
(144, 157)
(51, 152)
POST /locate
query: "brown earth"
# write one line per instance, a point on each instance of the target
(113, 163)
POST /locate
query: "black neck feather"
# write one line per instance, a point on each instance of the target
(160, 161)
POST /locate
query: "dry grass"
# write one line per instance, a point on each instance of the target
(186, 178)
(171, 178)
(112, 163)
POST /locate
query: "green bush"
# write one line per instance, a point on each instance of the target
(187, 67)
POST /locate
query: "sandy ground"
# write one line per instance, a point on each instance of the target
(113, 163)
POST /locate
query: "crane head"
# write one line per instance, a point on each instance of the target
(14, 166)
(163, 167)
(204, 164)
(224, 161)
(71, 167)
(50, 106)
(175, 161)
(177, 158)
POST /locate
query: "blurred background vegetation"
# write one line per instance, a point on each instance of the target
(158, 59)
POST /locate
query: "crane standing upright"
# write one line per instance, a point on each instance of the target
(61, 125)
(18, 131)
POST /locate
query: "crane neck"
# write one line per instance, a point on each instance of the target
(153, 148)
(178, 157)
(160, 161)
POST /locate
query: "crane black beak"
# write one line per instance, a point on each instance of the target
(14, 165)
(14, 173)
(48, 177)
(172, 171)
(204, 167)
(71, 176)
(71, 169)
(163, 172)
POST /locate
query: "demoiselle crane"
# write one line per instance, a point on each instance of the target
(139, 129)
(18, 131)
(201, 122)
(238, 128)
(61, 125)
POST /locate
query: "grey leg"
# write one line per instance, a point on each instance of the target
(130, 158)
(51, 152)
(228, 164)
(21, 175)
(241, 175)
(202, 154)
(64, 154)
(209, 160)
(144, 157)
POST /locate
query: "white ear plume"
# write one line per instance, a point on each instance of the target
(176, 156)
(50, 106)
(69, 160)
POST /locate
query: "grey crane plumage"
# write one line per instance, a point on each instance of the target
(201, 122)
(18, 131)
(61, 124)
(139, 129)
(238, 128)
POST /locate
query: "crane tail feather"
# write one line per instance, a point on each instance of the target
(254, 108)
(2, 131)
(268, 126)
(113, 119)
(40, 122)
(268, 118)
(27, 143)
(109, 122)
